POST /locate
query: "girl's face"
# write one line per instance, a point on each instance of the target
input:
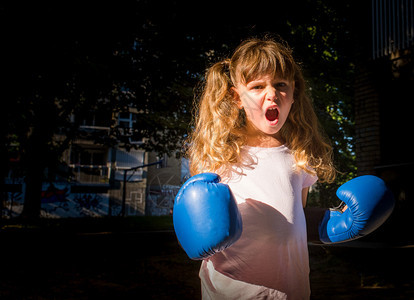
(267, 101)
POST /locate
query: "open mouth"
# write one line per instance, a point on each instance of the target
(272, 114)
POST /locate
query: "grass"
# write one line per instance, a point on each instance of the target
(135, 258)
(139, 258)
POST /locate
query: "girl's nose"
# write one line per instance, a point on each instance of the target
(271, 94)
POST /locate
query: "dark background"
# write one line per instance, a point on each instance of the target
(59, 58)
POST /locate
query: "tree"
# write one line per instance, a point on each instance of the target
(70, 57)
(57, 66)
(325, 41)
(322, 36)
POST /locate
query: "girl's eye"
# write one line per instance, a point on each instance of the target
(257, 87)
(281, 84)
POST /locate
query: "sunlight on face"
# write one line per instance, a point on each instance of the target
(267, 102)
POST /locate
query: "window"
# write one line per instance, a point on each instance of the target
(94, 119)
(126, 122)
(88, 158)
(89, 165)
(126, 160)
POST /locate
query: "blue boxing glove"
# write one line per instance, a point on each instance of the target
(206, 217)
(369, 203)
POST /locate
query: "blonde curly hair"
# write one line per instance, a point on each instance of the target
(220, 126)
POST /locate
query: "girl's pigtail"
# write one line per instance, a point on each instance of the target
(218, 84)
(217, 116)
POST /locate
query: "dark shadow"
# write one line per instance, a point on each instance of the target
(265, 232)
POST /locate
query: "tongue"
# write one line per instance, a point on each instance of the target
(272, 114)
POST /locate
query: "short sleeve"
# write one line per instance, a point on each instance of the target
(308, 179)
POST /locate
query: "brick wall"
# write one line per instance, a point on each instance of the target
(367, 124)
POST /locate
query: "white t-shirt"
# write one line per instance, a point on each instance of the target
(270, 260)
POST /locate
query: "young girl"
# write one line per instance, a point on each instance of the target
(257, 129)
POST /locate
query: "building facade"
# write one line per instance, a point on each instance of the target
(102, 180)
(384, 102)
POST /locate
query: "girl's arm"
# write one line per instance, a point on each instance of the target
(305, 196)
(313, 217)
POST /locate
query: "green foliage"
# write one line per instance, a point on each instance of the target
(325, 45)
(71, 58)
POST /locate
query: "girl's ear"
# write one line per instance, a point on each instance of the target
(236, 97)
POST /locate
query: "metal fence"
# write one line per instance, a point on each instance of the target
(392, 26)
